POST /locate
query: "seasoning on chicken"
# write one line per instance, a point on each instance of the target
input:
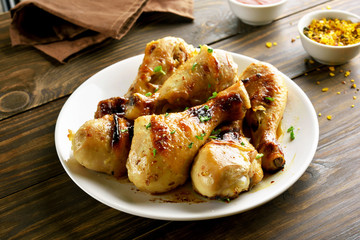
(268, 95)
(162, 58)
(227, 165)
(103, 144)
(192, 84)
(164, 146)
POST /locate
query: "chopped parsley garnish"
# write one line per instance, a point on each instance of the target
(166, 114)
(148, 126)
(224, 199)
(190, 145)
(214, 94)
(124, 130)
(159, 69)
(291, 131)
(173, 131)
(186, 108)
(154, 152)
(203, 113)
(210, 50)
(215, 132)
(156, 89)
(204, 118)
(259, 155)
(269, 98)
(209, 85)
(148, 94)
(194, 66)
(201, 137)
(242, 144)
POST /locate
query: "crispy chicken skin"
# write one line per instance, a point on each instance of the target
(164, 146)
(268, 95)
(103, 144)
(227, 165)
(114, 105)
(168, 53)
(192, 84)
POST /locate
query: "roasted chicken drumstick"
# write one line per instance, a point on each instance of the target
(227, 165)
(268, 95)
(192, 84)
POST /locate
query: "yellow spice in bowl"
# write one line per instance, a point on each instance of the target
(333, 32)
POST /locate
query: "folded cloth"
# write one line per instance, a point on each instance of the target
(62, 28)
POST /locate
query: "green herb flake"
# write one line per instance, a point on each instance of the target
(148, 94)
(186, 108)
(194, 66)
(290, 129)
(124, 130)
(190, 145)
(173, 131)
(206, 107)
(269, 98)
(166, 114)
(199, 137)
(204, 118)
(259, 155)
(156, 89)
(292, 134)
(154, 152)
(159, 69)
(148, 126)
(224, 199)
(214, 94)
(212, 137)
(210, 50)
(209, 85)
(242, 144)
(215, 132)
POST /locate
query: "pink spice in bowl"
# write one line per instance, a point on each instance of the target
(257, 12)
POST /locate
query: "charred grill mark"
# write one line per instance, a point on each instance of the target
(203, 113)
(226, 103)
(152, 48)
(245, 81)
(146, 104)
(122, 132)
(160, 135)
(116, 105)
(116, 133)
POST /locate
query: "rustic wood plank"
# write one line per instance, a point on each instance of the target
(58, 209)
(27, 149)
(29, 78)
(324, 203)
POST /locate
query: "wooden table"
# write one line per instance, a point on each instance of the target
(39, 200)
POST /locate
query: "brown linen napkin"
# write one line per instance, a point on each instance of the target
(62, 28)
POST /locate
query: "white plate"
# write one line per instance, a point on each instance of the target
(122, 195)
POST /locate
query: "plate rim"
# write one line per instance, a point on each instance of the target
(294, 179)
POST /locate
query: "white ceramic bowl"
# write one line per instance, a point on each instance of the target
(257, 14)
(325, 54)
